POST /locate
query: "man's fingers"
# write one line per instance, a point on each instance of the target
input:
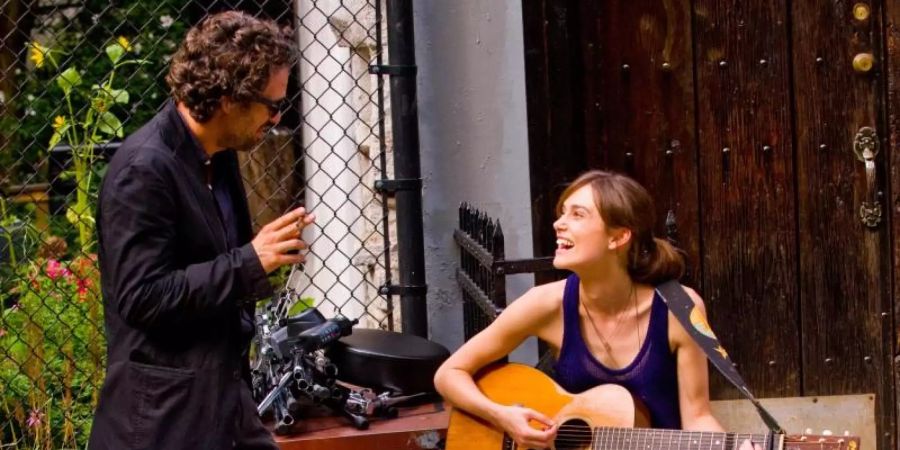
(285, 233)
(290, 218)
(297, 225)
(288, 258)
(290, 244)
(304, 221)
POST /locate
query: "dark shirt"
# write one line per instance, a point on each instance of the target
(216, 181)
(651, 378)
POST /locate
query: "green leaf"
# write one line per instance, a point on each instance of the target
(301, 305)
(110, 124)
(57, 136)
(68, 80)
(72, 216)
(98, 140)
(100, 169)
(115, 52)
(119, 95)
(134, 61)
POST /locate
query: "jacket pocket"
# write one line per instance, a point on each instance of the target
(162, 406)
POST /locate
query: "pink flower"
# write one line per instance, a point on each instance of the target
(83, 287)
(2, 332)
(35, 418)
(54, 269)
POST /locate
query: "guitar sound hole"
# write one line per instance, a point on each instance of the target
(573, 435)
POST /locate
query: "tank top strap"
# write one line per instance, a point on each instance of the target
(571, 319)
(659, 321)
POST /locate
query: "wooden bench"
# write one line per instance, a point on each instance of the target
(422, 427)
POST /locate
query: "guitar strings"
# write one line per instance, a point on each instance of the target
(580, 433)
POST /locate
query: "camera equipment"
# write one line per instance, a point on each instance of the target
(292, 369)
(305, 362)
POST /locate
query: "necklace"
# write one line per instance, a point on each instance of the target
(606, 346)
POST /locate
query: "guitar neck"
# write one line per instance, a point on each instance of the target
(605, 438)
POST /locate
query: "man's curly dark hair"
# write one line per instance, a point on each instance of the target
(227, 54)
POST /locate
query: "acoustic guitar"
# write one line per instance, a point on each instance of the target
(606, 417)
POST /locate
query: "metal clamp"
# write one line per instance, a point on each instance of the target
(392, 186)
(865, 146)
(394, 289)
(393, 70)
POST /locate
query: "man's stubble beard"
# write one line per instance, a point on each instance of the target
(240, 143)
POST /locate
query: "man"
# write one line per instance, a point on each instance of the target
(179, 271)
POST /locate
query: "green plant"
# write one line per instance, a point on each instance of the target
(85, 128)
(154, 29)
(51, 355)
(70, 92)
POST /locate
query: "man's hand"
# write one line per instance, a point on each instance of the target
(281, 236)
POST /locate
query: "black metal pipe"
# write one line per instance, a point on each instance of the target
(405, 125)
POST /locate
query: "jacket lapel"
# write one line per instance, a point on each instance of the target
(176, 135)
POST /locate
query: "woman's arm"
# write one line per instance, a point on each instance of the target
(693, 376)
(693, 379)
(529, 315)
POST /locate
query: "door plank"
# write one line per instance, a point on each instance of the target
(892, 64)
(748, 210)
(639, 107)
(845, 281)
(555, 130)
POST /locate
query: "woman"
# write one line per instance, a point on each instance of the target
(604, 323)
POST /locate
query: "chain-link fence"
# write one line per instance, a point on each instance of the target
(78, 76)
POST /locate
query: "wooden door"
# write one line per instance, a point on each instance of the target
(740, 117)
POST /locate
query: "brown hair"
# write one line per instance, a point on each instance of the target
(624, 203)
(227, 54)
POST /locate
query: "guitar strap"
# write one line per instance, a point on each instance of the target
(694, 321)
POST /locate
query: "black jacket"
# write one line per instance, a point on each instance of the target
(174, 295)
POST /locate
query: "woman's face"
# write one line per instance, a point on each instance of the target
(582, 238)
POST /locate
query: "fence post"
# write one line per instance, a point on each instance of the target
(499, 276)
(405, 123)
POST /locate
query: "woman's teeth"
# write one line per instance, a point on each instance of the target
(564, 243)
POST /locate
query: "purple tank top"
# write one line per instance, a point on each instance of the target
(651, 377)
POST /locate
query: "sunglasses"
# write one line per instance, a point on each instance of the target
(275, 106)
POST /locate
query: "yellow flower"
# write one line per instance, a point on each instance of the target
(124, 43)
(38, 54)
(100, 105)
(59, 122)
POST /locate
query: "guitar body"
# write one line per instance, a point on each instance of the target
(603, 418)
(514, 384)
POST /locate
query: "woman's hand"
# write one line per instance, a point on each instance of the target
(515, 421)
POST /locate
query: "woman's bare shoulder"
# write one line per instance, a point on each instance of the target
(539, 304)
(677, 334)
(546, 296)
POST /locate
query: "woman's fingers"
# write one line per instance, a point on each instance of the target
(538, 417)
